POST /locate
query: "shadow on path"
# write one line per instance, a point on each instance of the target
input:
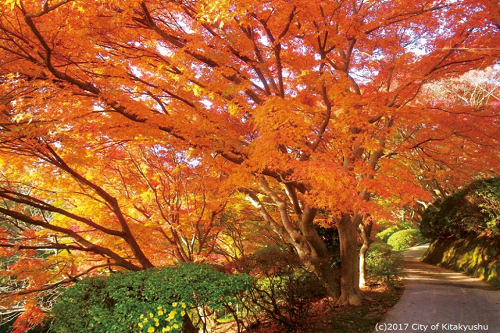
(440, 300)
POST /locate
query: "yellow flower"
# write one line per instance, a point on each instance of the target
(159, 308)
(160, 313)
(151, 329)
(151, 315)
(164, 329)
(142, 316)
(176, 326)
(140, 325)
(173, 313)
(183, 305)
(183, 313)
(174, 304)
(145, 320)
(157, 324)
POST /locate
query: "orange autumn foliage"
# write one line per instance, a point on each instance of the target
(128, 124)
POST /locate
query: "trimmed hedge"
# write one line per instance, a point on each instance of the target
(384, 234)
(404, 239)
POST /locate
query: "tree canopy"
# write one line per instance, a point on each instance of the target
(128, 128)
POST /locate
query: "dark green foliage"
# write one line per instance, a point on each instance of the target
(330, 236)
(115, 303)
(489, 194)
(283, 290)
(404, 239)
(383, 266)
(475, 209)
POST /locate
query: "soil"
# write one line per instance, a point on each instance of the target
(324, 317)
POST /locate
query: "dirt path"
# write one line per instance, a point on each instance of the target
(440, 300)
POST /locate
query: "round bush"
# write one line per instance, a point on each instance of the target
(388, 232)
(405, 238)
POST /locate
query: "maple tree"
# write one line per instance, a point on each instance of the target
(464, 102)
(298, 105)
(149, 196)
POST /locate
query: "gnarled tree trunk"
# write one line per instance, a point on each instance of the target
(298, 230)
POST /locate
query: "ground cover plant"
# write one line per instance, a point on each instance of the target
(473, 255)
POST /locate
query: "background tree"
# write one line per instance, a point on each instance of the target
(302, 105)
(475, 89)
(86, 213)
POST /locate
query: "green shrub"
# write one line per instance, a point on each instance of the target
(466, 230)
(330, 236)
(404, 239)
(384, 235)
(488, 192)
(145, 301)
(383, 266)
(283, 290)
(475, 209)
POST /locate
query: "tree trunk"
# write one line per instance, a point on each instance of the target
(188, 326)
(350, 294)
(366, 229)
(299, 233)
